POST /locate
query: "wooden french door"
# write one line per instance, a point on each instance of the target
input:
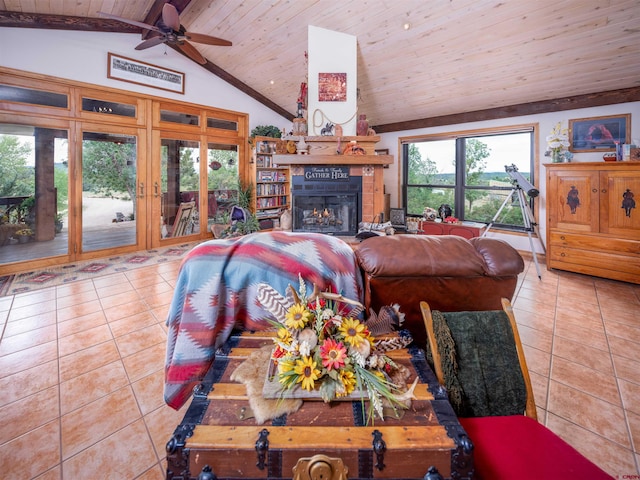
(111, 192)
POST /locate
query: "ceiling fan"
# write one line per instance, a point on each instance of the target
(171, 32)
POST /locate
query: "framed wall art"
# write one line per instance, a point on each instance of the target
(332, 87)
(599, 134)
(141, 73)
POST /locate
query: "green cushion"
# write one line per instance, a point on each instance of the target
(485, 379)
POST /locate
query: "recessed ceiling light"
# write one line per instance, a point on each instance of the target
(272, 82)
(406, 25)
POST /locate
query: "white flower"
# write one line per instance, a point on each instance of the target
(558, 139)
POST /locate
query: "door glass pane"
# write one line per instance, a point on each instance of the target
(222, 124)
(180, 177)
(34, 97)
(111, 108)
(222, 182)
(179, 117)
(108, 190)
(34, 182)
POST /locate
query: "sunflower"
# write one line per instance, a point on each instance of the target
(348, 380)
(353, 331)
(285, 365)
(333, 354)
(284, 336)
(307, 372)
(297, 316)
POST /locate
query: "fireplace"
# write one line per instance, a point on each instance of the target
(326, 205)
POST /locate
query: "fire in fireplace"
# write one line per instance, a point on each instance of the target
(326, 206)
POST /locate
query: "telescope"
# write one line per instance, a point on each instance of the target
(520, 181)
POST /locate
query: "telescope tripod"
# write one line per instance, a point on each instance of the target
(530, 224)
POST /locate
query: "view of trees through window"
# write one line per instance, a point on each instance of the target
(18, 180)
(469, 174)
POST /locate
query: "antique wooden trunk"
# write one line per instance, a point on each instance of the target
(219, 438)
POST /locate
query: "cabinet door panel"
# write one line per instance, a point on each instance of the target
(573, 204)
(619, 214)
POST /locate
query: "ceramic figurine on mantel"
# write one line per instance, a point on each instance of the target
(302, 147)
(299, 123)
(362, 126)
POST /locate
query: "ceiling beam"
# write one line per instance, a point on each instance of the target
(64, 22)
(243, 87)
(533, 108)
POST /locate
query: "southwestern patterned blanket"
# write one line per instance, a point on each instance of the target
(216, 291)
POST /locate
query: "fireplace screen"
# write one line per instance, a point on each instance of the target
(332, 207)
(334, 214)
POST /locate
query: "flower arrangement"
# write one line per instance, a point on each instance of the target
(557, 144)
(25, 232)
(322, 347)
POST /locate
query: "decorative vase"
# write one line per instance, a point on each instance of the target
(362, 126)
(299, 127)
(557, 157)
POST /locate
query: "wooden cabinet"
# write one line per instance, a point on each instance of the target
(593, 221)
(271, 181)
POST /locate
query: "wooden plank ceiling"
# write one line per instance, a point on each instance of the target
(458, 60)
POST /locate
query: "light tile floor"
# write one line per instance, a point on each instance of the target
(81, 372)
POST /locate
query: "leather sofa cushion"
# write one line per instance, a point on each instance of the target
(450, 273)
(437, 255)
(419, 255)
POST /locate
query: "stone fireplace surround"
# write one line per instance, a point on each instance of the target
(323, 152)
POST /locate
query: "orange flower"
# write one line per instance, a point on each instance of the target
(333, 354)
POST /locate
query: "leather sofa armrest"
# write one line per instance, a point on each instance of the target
(500, 258)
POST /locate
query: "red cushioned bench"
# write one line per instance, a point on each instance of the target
(518, 447)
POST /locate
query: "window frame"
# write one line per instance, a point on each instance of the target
(460, 187)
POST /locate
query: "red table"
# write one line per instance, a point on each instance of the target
(462, 229)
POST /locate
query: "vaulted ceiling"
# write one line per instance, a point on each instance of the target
(420, 63)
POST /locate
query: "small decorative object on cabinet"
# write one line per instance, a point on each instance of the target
(271, 180)
(362, 126)
(593, 221)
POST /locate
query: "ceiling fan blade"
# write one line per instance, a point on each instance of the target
(151, 42)
(192, 52)
(131, 22)
(207, 39)
(170, 17)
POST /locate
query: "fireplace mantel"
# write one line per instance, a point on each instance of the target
(322, 151)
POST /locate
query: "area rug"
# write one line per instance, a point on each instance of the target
(73, 272)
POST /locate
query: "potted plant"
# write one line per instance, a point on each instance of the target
(265, 131)
(24, 235)
(248, 224)
(58, 222)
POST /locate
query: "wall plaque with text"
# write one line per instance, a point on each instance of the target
(326, 174)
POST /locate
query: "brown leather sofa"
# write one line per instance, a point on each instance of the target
(449, 272)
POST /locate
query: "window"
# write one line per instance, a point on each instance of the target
(469, 173)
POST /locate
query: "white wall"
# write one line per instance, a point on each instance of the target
(82, 56)
(332, 52)
(546, 123)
